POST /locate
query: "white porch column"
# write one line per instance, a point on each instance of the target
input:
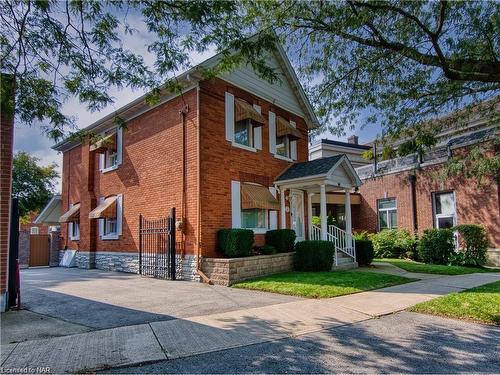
(309, 214)
(282, 210)
(324, 223)
(348, 220)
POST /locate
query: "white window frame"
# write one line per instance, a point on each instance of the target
(444, 216)
(73, 229)
(387, 211)
(104, 165)
(290, 146)
(103, 223)
(251, 140)
(34, 230)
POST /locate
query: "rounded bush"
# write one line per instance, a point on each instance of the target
(235, 243)
(267, 250)
(364, 252)
(282, 240)
(314, 256)
(436, 246)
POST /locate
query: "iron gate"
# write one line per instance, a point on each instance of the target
(157, 247)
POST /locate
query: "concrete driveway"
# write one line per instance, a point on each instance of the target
(100, 299)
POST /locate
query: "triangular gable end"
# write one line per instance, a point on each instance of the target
(343, 172)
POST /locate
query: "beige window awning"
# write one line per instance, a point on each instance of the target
(73, 214)
(107, 209)
(104, 143)
(257, 196)
(244, 111)
(283, 127)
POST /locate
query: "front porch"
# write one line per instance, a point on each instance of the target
(320, 178)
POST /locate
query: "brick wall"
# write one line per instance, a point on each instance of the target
(6, 150)
(150, 177)
(474, 204)
(222, 163)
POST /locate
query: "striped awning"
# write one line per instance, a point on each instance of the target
(283, 127)
(73, 214)
(257, 196)
(104, 143)
(244, 111)
(107, 209)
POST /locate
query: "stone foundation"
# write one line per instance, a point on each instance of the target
(493, 257)
(129, 262)
(226, 272)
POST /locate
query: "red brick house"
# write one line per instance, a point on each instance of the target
(217, 152)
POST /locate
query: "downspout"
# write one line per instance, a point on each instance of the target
(413, 190)
(203, 277)
(183, 112)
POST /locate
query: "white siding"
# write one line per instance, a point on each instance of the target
(280, 93)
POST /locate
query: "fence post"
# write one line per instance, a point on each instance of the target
(140, 244)
(172, 243)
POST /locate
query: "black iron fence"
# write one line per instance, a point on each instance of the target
(157, 246)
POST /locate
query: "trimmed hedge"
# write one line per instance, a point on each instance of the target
(436, 246)
(474, 243)
(392, 243)
(364, 252)
(314, 256)
(282, 240)
(267, 250)
(235, 243)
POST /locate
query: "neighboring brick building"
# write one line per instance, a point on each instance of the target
(6, 152)
(214, 153)
(408, 193)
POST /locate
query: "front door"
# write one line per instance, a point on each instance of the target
(297, 214)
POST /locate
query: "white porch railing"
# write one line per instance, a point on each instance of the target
(339, 237)
(315, 232)
(343, 241)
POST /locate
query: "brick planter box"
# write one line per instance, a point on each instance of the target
(227, 271)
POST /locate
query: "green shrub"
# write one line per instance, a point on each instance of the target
(314, 255)
(281, 239)
(235, 243)
(392, 243)
(436, 246)
(364, 252)
(316, 220)
(473, 242)
(457, 259)
(267, 250)
(363, 235)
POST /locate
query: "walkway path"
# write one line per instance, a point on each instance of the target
(391, 269)
(125, 346)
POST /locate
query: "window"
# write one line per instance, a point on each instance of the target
(283, 146)
(253, 218)
(444, 208)
(109, 212)
(34, 230)
(387, 214)
(243, 134)
(74, 230)
(110, 227)
(111, 157)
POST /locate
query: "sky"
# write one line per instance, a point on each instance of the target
(31, 140)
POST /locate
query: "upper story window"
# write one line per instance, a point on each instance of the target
(243, 123)
(109, 212)
(387, 214)
(444, 210)
(109, 146)
(283, 136)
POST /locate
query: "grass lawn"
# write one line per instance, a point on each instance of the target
(481, 304)
(322, 284)
(412, 266)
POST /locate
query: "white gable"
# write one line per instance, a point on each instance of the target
(279, 93)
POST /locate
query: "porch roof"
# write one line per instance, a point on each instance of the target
(335, 171)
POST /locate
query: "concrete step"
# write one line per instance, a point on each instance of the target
(345, 266)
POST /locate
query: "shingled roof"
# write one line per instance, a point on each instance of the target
(310, 168)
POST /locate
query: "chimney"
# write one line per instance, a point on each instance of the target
(353, 139)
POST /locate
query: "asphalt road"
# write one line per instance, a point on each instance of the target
(398, 343)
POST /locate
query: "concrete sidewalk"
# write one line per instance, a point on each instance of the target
(177, 338)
